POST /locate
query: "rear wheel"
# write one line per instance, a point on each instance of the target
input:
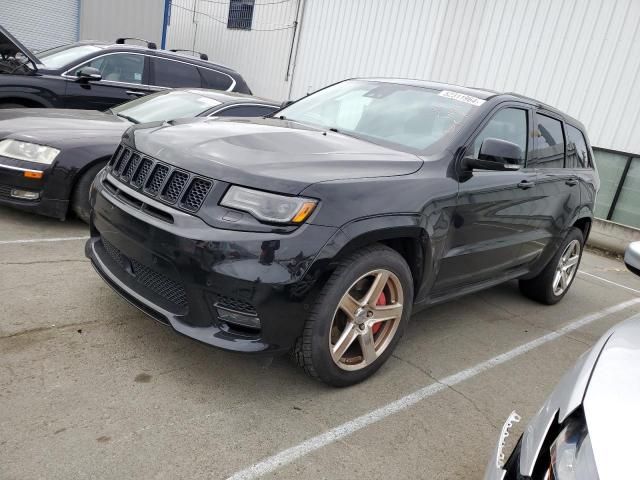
(80, 198)
(358, 318)
(555, 280)
(11, 105)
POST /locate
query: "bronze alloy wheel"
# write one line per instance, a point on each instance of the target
(366, 320)
(567, 267)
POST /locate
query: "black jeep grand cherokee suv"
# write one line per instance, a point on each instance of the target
(322, 229)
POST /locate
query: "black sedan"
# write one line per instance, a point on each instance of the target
(49, 157)
(99, 75)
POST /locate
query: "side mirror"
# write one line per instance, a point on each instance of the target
(632, 257)
(89, 74)
(496, 154)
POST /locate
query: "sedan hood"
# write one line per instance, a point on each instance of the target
(57, 126)
(611, 403)
(268, 153)
(10, 47)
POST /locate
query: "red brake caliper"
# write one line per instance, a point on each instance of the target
(382, 300)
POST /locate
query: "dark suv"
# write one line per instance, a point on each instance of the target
(97, 76)
(322, 229)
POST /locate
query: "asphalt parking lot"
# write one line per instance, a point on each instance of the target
(92, 388)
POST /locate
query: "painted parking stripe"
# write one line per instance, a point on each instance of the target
(609, 281)
(289, 455)
(40, 240)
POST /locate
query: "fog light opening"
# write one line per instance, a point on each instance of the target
(240, 321)
(25, 194)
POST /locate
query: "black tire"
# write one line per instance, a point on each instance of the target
(312, 349)
(541, 287)
(80, 197)
(11, 105)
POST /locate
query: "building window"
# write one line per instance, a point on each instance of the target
(240, 14)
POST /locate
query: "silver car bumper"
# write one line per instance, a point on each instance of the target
(495, 470)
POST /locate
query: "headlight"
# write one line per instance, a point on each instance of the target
(269, 207)
(571, 454)
(31, 152)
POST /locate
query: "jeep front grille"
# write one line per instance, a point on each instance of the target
(155, 179)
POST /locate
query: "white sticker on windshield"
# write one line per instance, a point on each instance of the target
(461, 97)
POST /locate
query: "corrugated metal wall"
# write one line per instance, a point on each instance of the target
(261, 54)
(582, 56)
(109, 19)
(41, 24)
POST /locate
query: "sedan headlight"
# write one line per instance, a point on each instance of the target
(269, 207)
(571, 454)
(31, 152)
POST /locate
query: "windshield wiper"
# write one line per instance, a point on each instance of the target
(127, 117)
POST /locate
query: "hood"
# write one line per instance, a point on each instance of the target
(268, 153)
(10, 47)
(58, 126)
(611, 403)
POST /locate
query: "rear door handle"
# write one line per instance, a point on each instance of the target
(571, 182)
(136, 93)
(525, 184)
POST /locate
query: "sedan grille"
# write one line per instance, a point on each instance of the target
(158, 180)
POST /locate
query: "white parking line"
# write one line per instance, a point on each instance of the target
(39, 240)
(287, 456)
(609, 281)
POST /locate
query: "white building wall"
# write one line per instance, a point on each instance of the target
(41, 24)
(581, 56)
(110, 19)
(261, 55)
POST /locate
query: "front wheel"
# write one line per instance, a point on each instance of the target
(555, 280)
(358, 318)
(80, 197)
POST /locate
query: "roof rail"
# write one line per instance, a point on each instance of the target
(203, 56)
(151, 45)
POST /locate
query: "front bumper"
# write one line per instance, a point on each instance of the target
(497, 469)
(12, 176)
(182, 273)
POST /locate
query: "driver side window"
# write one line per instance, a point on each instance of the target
(119, 67)
(508, 124)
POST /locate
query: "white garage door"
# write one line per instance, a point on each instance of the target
(41, 24)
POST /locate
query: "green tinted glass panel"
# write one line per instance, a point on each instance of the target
(627, 209)
(610, 168)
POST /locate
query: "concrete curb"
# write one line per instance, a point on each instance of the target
(611, 237)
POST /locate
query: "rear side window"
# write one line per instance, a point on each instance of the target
(215, 80)
(246, 111)
(577, 153)
(167, 73)
(508, 124)
(549, 143)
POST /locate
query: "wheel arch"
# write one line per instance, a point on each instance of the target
(402, 233)
(584, 225)
(78, 175)
(31, 101)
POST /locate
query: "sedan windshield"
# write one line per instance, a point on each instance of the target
(59, 57)
(403, 115)
(167, 105)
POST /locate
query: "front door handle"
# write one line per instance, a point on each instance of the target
(571, 182)
(525, 184)
(136, 93)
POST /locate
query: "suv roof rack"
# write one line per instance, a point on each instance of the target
(203, 56)
(151, 45)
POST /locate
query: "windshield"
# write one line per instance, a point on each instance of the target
(404, 115)
(167, 105)
(62, 56)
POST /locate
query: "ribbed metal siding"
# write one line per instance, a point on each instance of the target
(41, 24)
(109, 19)
(581, 56)
(260, 54)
